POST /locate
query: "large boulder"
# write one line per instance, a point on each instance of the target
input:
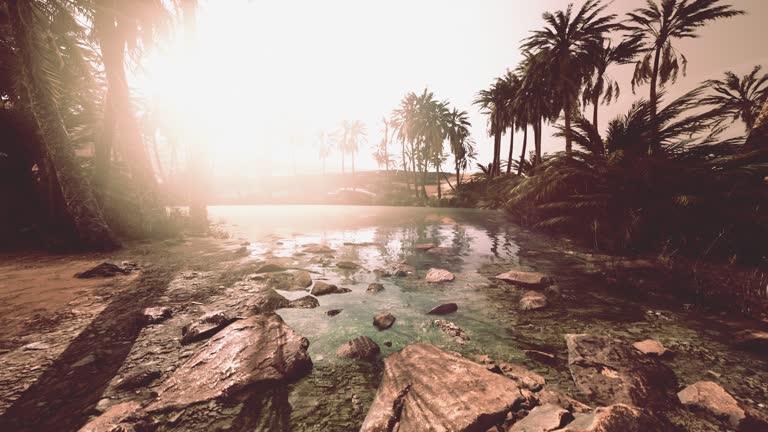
(543, 418)
(435, 275)
(205, 327)
(322, 288)
(615, 418)
(713, 399)
(533, 300)
(609, 371)
(525, 279)
(261, 348)
(427, 389)
(359, 348)
(383, 320)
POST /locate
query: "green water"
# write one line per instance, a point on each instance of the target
(479, 244)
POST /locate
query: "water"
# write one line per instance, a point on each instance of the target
(475, 246)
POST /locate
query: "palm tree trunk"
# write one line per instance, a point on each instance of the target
(103, 148)
(595, 106)
(439, 181)
(537, 140)
(567, 116)
(654, 145)
(458, 175)
(496, 168)
(511, 147)
(91, 229)
(522, 153)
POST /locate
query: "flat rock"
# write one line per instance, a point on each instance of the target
(359, 348)
(383, 320)
(713, 399)
(650, 347)
(543, 418)
(451, 329)
(347, 265)
(318, 249)
(374, 288)
(525, 279)
(444, 309)
(533, 300)
(609, 371)
(428, 389)
(614, 418)
(260, 348)
(107, 269)
(205, 327)
(156, 315)
(435, 275)
(270, 268)
(322, 288)
(115, 419)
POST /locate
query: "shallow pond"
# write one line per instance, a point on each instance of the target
(475, 245)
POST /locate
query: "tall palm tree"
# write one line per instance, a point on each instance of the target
(511, 88)
(461, 144)
(492, 103)
(403, 119)
(598, 83)
(658, 25)
(564, 42)
(430, 127)
(381, 153)
(324, 147)
(739, 98)
(41, 88)
(537, 95)
(355, 134)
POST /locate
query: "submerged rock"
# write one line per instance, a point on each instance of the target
(451, 329)
(359, 348)
(426, 388)
(374, 288)
(397, 270)
(614, 418)
(118, 418)
(383, 320)
(306, 302)
(333, 312)
(205, 327)
(444, 309)
(261, 348)
(155, 315)
(543, 418)
(610, 371)
(525, 279)
(270, 268)
(651, 347)
(107, 269)
(435, 275)
(533, 300)
(713, 399)
(347, 265)
(322, 288)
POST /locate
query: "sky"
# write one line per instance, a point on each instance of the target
(265, 77)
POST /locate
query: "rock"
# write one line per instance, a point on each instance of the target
(443, 251)
(322, 288)
(318, 249)
(258, 349)
(610, 371)
(541, 357)
(553, 291)
(439, 275)
(425, 388)
(614, 418)
(266, 300)
(525, 279)
(374, 288)
(107, 269)
(651, 347)
(306, 302)
(359, 348)
(270, 268)
(383, 320)
(333, 312)
(294, 281)
(533, 300)
(524, 378)
(549, 395)
(752, 340)
(397, 270)
(713, 399)
(543, 418)
(36, 346)
(141, 378)
(115, 419)
(444, 309)
(347, 265)
(424, 246)
(451, 329)
(155, 315)
(205, 327)
(387, 344)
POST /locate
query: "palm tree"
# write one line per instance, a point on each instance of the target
(564, 43)
(492, 103)
(657, 25)
(324, 147)
(431, 132)
(537, 96)
(40, 81)
(739, 98)
(381, 153)
(511, 88)
(461, 145)
(598, 84)
(354, 135)
(403, 119)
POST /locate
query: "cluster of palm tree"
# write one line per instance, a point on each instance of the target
(64, 68)
(659, 174)
(424, 125)
(347, 140)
